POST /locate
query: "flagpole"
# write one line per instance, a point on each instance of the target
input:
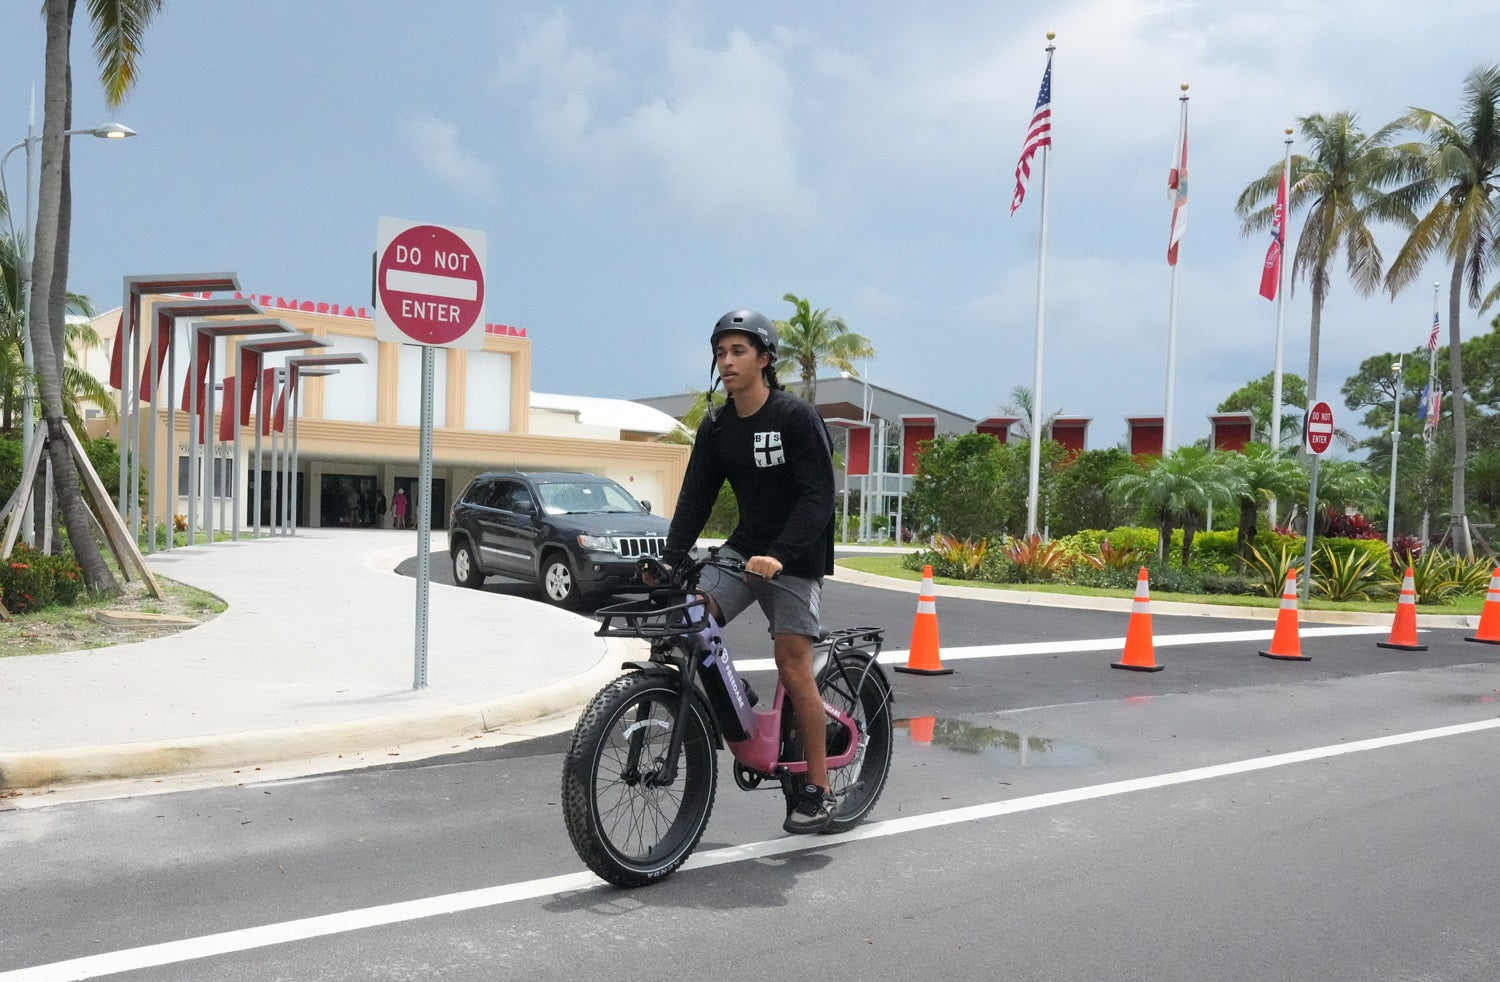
(1166, 428)
(1286, 182)
(1429, 428)
(1033, 485)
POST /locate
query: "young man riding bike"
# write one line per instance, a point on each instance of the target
(775, 452)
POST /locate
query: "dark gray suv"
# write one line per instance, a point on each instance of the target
(575, 535)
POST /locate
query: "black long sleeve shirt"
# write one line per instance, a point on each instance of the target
(779, 462)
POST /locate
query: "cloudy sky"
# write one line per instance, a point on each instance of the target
(641, 168)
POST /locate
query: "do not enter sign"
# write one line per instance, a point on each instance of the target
(429, 284)
(1317, 430)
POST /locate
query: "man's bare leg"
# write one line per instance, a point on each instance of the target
(794, 660)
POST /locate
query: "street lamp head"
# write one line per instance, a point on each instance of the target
(1395, 368)
(112, 131)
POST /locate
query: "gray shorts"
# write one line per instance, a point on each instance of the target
(790, 602)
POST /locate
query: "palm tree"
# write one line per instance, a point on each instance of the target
(1264, 475)
(1341, 185)
(1020, 406)
(119, 28)
(810, 338)
(1177, 490)
(1345, 483)
(1460, 177)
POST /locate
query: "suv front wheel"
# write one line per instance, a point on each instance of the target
(465, 569)
(559, 583)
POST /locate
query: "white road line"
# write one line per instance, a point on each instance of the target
(189, 949)
(1090, 644)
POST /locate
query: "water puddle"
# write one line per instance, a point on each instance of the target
(1024, 750)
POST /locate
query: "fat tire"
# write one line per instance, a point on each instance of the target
(693, 790)
(872, 766)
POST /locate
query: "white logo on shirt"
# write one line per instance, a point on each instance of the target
(768, 452)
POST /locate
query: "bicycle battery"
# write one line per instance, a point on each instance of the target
(722, 684)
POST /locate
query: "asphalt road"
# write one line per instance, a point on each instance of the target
(1227, 818)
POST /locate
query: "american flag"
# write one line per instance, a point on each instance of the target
(1432, 338)
(1038, 135)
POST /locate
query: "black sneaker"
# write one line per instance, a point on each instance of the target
(812, 811)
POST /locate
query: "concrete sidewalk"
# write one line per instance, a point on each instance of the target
(315, 656)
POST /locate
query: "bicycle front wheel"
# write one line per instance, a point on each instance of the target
(854, 686)
(628, 825)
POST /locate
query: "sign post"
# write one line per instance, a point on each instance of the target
(429, 290)
(1317, 436)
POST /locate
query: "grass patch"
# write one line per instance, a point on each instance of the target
(77, 628)
(890, 565)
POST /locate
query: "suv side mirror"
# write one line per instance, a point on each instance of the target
(646, 505)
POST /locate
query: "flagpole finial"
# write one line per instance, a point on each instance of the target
(1184, 86)
(1051, 35)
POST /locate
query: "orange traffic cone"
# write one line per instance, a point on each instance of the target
(923, 657)
(1489, 618)
(1404, 629)
(1285, 644)
(1140, 653)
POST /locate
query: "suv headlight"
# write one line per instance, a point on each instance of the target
(598, 543)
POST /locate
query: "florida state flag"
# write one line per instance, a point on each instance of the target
(1270, 274)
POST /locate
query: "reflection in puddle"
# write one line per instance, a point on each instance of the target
(988, 741)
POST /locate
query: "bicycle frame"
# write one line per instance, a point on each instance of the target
(686, 636)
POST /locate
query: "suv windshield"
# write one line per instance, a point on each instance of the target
(585, 497)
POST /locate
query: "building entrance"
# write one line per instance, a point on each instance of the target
(349, 501)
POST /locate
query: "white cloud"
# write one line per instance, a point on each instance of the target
(712, 130)
(435, 144)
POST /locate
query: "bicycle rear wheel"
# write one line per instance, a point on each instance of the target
(852, 685)
(624, 827)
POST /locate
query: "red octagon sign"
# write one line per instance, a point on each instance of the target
(429, 285)
(1318, 428)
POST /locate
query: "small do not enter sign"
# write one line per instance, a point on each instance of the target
(1317, 429)
(429, 284)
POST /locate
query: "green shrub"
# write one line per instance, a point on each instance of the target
(26, 581)
(1341, 573)
(1213, 552)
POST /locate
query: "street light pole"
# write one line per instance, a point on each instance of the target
(28, 352)
(1390, 512)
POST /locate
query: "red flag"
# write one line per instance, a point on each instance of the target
(1038, 135)
(268, 392)
(279, 422)
(249, 370)
(226, 417)
(1177, 191)
(1270, 274)
(117, 357)
(205, 351)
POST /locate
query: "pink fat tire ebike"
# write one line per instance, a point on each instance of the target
(640, 772)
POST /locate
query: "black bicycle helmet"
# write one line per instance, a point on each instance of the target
(758, 326)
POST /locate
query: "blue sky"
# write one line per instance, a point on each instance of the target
(641, 168)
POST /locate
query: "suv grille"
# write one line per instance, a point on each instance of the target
(631, 547)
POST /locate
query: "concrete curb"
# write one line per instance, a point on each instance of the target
(24, 770)
(1123, 604)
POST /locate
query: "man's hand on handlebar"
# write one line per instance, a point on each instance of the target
(652, 571)
(765, 567)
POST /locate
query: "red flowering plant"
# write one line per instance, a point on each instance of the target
(31, 580)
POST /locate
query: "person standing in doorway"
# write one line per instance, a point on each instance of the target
(380, 509)
(398, 507)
